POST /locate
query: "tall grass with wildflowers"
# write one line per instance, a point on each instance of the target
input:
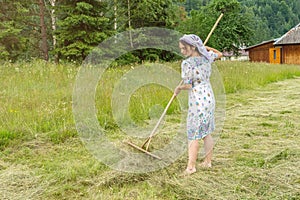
(246, 75)
(36, 100)
(36, 97)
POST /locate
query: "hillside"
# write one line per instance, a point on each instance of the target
(272, 18)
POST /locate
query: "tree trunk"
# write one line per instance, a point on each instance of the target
(44, 45)
(116, 14)
(53, 25)
(129, 22)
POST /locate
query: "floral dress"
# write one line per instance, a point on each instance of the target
(200, 119)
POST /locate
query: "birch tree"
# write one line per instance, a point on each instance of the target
(53, 21)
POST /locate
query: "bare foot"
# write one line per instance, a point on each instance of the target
(189, 171)
(205, 165)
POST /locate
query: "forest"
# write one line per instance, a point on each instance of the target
(67, 30)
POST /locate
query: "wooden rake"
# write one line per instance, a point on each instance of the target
(148, 140)
(144, 148)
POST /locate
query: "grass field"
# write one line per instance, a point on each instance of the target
(42, 157)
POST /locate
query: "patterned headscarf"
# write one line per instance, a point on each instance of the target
(195, 41)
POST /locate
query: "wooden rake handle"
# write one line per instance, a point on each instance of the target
(213, 28)
(159, 121)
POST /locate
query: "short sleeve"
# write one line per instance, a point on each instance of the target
(213, 55)
(186, 72)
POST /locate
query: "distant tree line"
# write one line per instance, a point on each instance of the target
(272, 18)
(68, 30)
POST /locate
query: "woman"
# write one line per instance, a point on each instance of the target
(196, 71)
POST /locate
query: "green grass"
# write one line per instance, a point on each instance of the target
(237, 76)
(36, 99)
(42, 157)
(244, 75)
(6, 137)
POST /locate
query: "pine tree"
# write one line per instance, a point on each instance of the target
(81, 26)
(21, 33)
(135, 14)
(10, 31)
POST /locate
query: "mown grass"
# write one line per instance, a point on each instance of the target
(42, 156)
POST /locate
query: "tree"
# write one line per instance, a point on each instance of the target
(192, 5)
(233, 31)
(44, 45)
(134, 14)
(10, 40)
(158, 13)
(53, 25)
(69, 29)
(23, 30)
(273, 17)
(82, 25)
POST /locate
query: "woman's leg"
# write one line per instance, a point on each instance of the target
(208, 149)
(193, 154)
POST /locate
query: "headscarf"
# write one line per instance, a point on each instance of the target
(195, 41)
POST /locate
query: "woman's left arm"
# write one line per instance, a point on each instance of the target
(215, 51)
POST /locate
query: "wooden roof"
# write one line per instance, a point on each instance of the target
(262, 43)
(291, 37)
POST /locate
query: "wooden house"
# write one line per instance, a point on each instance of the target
(288, 47)
(260, 52)
(285, 49)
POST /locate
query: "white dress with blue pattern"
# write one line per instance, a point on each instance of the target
(200, 119)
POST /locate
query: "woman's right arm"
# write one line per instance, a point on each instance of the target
(182, 87)
(186, 75)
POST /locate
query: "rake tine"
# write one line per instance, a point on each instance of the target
(143, 150)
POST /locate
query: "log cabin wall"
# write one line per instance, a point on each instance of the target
(291, 54)
(260, 53)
